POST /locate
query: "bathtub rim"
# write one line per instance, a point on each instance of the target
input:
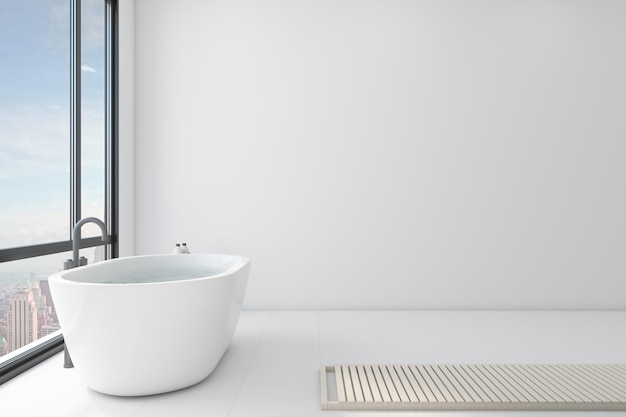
(240, 262)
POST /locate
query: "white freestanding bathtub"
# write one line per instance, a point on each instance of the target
(149, 324)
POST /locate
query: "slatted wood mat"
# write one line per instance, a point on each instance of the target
(474, 387)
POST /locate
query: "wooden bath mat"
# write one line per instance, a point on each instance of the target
(474, 387)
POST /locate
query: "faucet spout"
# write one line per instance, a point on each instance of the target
(76, 235)
(76, 262)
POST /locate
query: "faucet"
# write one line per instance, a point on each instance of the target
(76, 238)
(75, 261)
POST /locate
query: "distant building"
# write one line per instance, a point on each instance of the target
(45, 292)
(21, 320)
(3, 346)
(48, 329)
(99, 254)
(36, 291)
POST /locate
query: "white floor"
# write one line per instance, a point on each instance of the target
(272, 367)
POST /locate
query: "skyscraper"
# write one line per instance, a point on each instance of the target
(21, 320)
(99, 254)
(45, 291)
(48, 329)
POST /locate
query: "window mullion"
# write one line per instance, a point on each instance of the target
(75, 114)
(111, 176)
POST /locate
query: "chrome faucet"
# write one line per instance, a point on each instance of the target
(76, 239)
(76, 261)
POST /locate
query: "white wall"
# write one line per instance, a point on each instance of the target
(389, 153)
(126, 102)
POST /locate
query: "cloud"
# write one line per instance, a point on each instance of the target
(87, 68)
(33, 142)
(36, 222)
(57, 25)
(93, 20)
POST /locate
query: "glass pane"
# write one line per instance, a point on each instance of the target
(34, 122)
(24, 293)
(93, 113)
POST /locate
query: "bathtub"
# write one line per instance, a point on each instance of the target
(149, 324)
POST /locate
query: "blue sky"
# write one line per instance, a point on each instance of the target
(34, 118)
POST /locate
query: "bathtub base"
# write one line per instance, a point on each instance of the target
(120, 387)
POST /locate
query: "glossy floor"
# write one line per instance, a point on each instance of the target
(273, 365)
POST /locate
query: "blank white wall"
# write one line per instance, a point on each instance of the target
(126, 130)
(389, 153)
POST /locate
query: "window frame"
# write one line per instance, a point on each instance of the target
(48, 346)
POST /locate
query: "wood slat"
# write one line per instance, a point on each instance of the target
(523, 392)
(488, 385)
(404, 397)
(445, 384)
(384, 392)
(419, 392)
(405, 383)
(586, 386)
(467, 385)
(535, 380)
(458, 387)
(603, 380)
(341, 390)
(476, 387)
(365, 386)
(371, 379)
(534, 393)
(562, 384)
(474, 384)
(423, 384)
(431, 384)
(347, 383)
(356, 384)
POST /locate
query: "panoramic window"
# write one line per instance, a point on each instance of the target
(57, 151)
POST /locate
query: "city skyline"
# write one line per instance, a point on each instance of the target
(34, 281)
(26, 313)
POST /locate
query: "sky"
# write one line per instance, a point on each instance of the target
(35, 118)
